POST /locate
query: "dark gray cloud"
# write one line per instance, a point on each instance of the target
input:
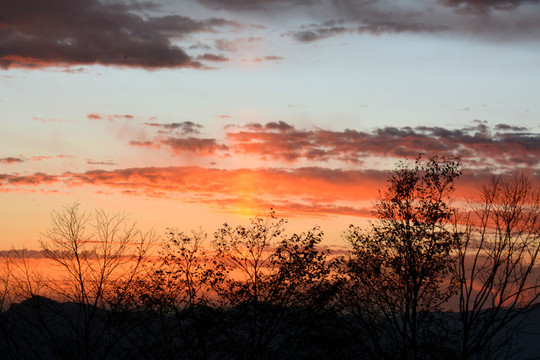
(483, 6)
(254, 4)
(95, 162)
(314, 32)
(198, 146)
(178, 137)
(86, 32)
(212, 57)
(505, 127)
(185, 127)
(491, 19)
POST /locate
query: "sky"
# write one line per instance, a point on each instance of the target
(188, 114)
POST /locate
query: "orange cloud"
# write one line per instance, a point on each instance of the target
(315, 191)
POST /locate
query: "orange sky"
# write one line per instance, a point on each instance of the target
(193, 113)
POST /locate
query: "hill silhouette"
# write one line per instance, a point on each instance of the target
(41, 328)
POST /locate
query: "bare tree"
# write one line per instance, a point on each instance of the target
(93, 253)
(93, 250)
(497, 263)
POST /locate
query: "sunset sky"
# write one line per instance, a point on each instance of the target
(192, 113)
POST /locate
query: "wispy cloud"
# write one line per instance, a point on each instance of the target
(49, 120)
(315, 32)
(15, 160)
(110, 118)
(106, 163)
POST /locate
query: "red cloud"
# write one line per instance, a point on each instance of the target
(35, 179)
(503, 146)
(110, 118)
(10, 160)
(94, 116)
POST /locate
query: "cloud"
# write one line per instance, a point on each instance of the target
(491, 19)
(268, 58)
(110, 118)
(313, 182)
(107, 163)
(273, 58)
(147, 143)
(40, 158)
(11, 160)
(253, 4)
(178, 138)
(94, 116)
(484, 6)
(504, 145)
(212, 57)
(14, 160)
(201, 147)
(226, 45)
(306, 190)
(316, 191)
(315, 32)
(234, 45)
(185, 127)
(34, 179)
(86, 32)
(505, 127)
(50, 120)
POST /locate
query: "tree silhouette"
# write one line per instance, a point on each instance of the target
(275, 287)
(93, 252)
(497, 263)
(256, 292)
(399, 271)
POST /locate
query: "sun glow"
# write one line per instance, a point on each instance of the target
(245, 187)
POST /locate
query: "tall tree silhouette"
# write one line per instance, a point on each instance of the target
(399, 270)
